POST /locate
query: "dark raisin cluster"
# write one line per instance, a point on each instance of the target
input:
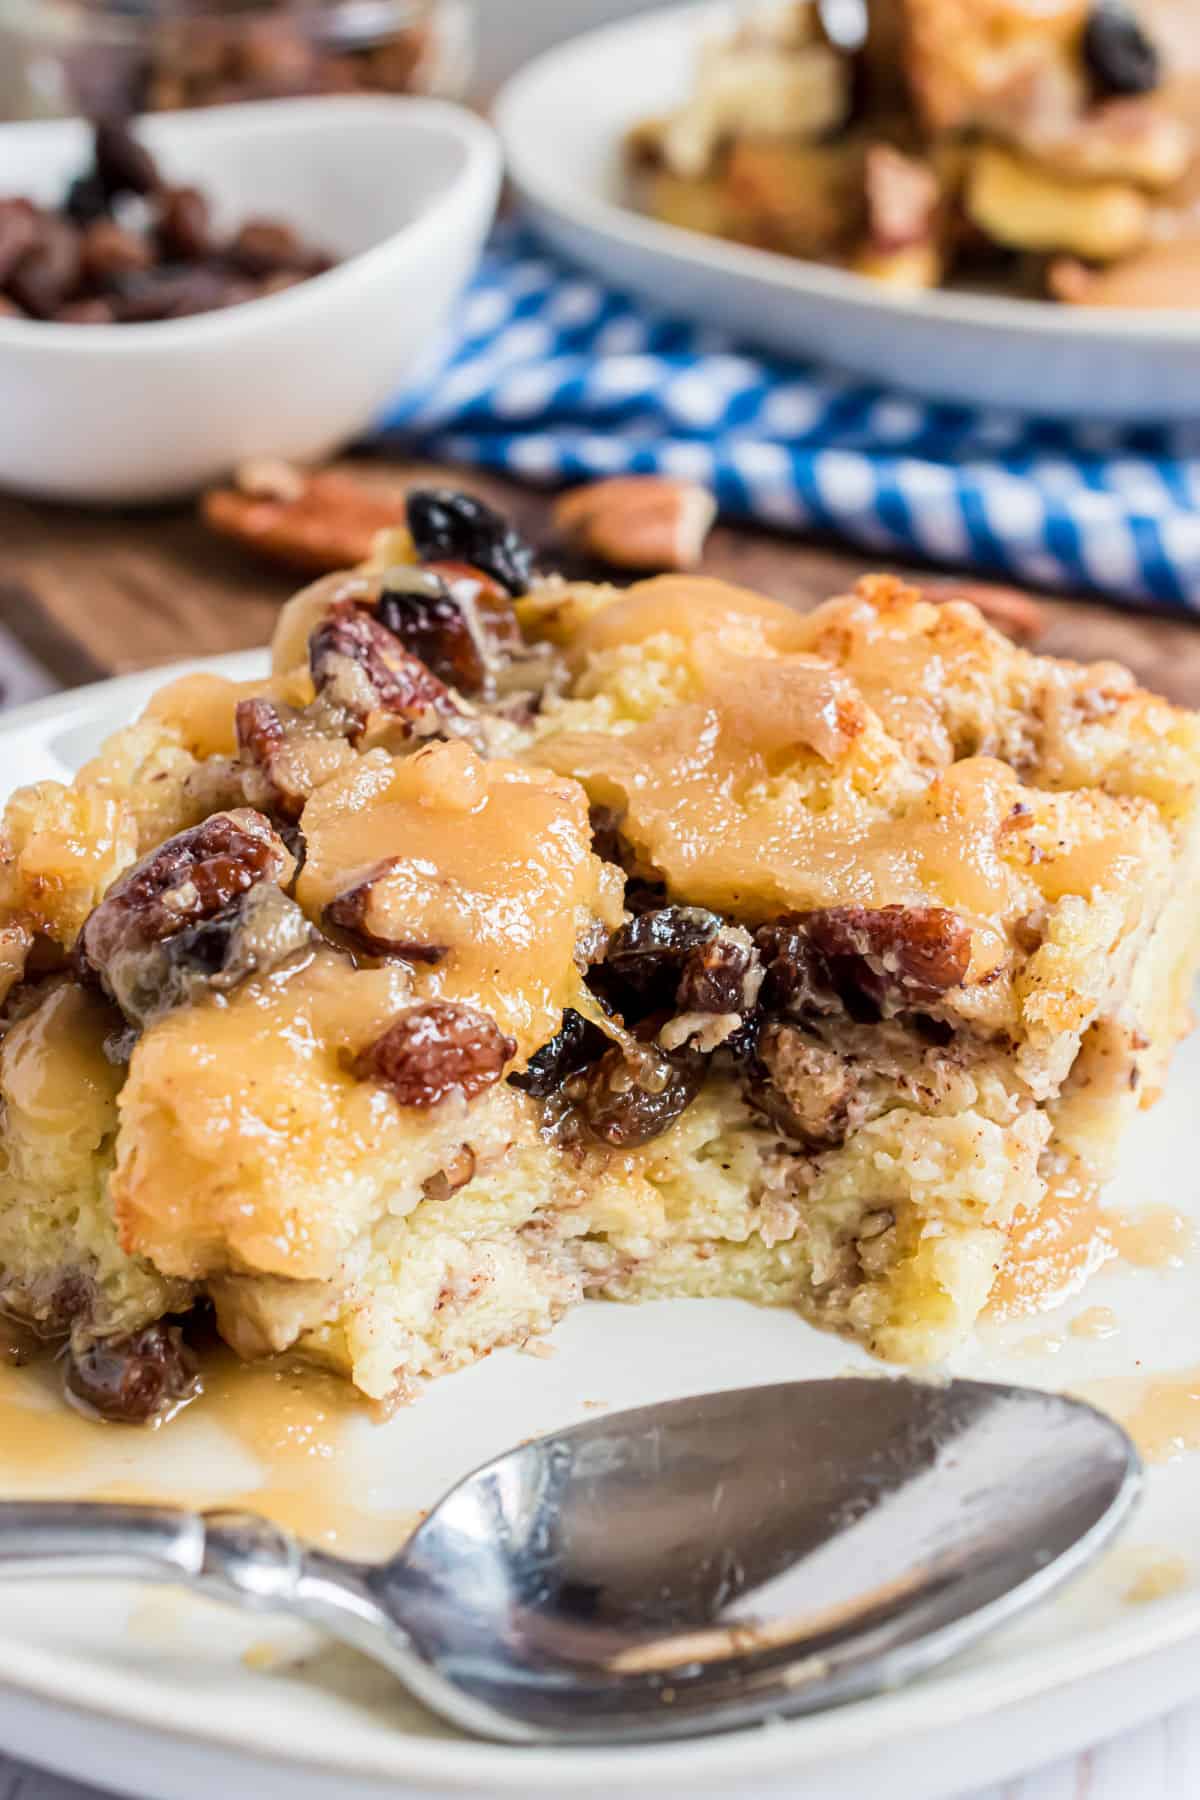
(126, 248)
(667, 962)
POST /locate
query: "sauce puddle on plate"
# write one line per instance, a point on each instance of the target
(290, 1424)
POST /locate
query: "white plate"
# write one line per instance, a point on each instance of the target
(561, 120)
(151, 1695)
(401, 189)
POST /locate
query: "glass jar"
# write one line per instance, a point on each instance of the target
(131, 56)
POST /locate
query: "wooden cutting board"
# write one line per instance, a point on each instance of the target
(92, 594)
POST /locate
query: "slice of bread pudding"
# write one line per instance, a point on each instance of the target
(515, 941)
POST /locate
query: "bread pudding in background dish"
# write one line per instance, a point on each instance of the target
(1046, 147)
(519, 940)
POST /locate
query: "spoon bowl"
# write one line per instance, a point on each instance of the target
(682, 1568)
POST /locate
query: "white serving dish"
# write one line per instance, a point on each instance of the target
(561, 121)
(402, 189)
(146, 1691)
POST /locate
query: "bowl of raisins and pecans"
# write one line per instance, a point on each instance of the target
(258, 280)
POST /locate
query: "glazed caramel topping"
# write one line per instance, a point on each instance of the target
(244, 1136)
(489, 863)
(726, 795)
(204, 706)
(694, 609)
(54, 1070)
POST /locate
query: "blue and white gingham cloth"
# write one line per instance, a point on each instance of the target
(551, 377)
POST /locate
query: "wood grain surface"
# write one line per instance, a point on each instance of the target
(90, 594)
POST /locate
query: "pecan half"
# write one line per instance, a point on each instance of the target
(868, 961)
(360, 668)
(435, 1049)
(349, 917)
(808, 1091)
(171, 921)
(638, 521)
(313, 523)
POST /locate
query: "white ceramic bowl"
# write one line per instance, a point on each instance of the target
(402, 189)
(562, 120)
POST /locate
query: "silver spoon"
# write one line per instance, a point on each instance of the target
(680, 1569)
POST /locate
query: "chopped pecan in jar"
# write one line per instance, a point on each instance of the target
(349, 916)
(360, 668)
(135, 1380)
(182, 921)
(434, 1050)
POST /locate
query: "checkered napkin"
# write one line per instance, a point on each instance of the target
(551, 377)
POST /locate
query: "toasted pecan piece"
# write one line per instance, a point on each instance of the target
(639, 521)
(315, 523)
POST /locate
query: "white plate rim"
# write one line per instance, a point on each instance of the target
(535, 174)
(84, 1689)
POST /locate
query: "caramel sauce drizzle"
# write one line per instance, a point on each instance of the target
(290, 1424)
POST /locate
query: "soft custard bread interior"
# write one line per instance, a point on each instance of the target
(515, 941)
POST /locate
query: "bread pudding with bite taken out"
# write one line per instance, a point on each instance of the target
(516, 941)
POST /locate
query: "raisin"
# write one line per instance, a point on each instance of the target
(268, 247)
(607, 844)
(576, 1044)
(1120, 57)
(110, 250)
(360, 667)
(722, 975)
(457, 621)
(123, 166)
(86, 199)
(47, 275)
(136, 1379)
(450, 526)
(434, 1049)
(189, 879)
(348, 916)
(658, 942)
(18, 233)
(176, 291)
(184, 229)
(627, 1101)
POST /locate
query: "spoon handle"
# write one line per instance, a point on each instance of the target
(227, 1555)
